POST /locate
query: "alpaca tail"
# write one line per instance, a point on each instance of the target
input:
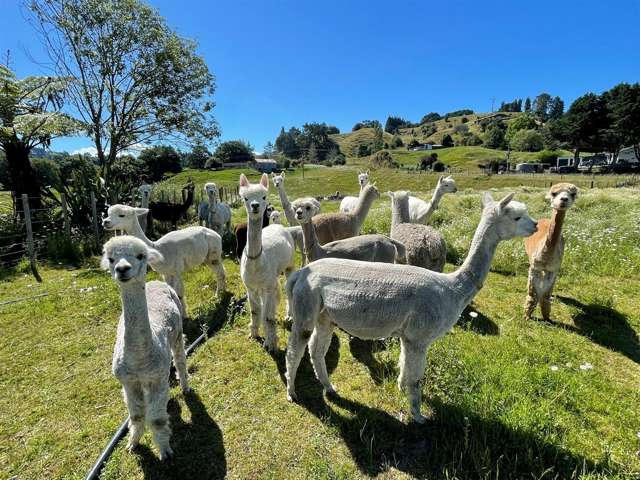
(401, 251)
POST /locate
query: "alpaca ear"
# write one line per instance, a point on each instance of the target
(487, 199)
(264, 180)
(505, 201)
(316, 204)
(244, 182)
(141, 211)
(368, 172)
(389, 194)
(282, 174)
(154, 257)
(440, 179)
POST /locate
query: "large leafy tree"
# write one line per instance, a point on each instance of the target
(159, 160)
(234, 151)
(583, 126)
(623, 111)
(30, 117)
(135, 80)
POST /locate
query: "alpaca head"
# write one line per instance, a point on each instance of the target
(278, 180)
(363, 178)
(122, 217)
(211, 189)
(400, 204)
(274, 217)
(145, 190)
(126, 258)
(254, 196)
(305, 209)
(370, 192)
(562, 196)
(509, 218)
(447, 185)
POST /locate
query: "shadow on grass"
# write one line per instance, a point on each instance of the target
(364, 350)
(210, 318)
(198, 446)
(454, 443)
(480, 324)
(604, 325)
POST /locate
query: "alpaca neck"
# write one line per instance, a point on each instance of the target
(144, 201)
(136, 231)
(470, 277)
(362, 209)
(286, 206)
(137, 331)
(555, 228)
(432, 206)
(399, 212)
(254, 238)
(312, 248)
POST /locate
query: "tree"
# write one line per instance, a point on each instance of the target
(522, 122)
(583, 126)
(159, 160)
(457, 113)
(494, 137)
(365, 124)
(527, 141)
(378, 139)
(30, 117)
(316, 135)
(234, 151)
(447, 141)
(396, 142)
(268, 150)
(556, 108)
(430, 117)
(541, 106)
(527, 105)
(136, 81)
(393, 124)
(623, 112)
(287, 142)
(197, 157)
(383, 159)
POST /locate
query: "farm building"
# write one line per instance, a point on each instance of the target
(265, 165)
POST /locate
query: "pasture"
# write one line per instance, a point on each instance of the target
(505, 397)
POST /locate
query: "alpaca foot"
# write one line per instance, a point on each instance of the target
(166, 453)
(291, 396)
(271, 346)
(419, 418)
(331, 392)
(288, 322)
(131, 446)
(186, 390)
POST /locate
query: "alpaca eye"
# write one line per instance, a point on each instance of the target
(308, 207)
(140, 256)
(554, 194)
(264, 198)
(517, 219)
(121, 216)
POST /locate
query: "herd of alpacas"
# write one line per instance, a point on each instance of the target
(370, 286)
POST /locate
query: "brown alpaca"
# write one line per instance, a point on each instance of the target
(545, 249)
(338, 226)
(172, 212)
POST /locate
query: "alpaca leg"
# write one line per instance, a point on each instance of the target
(157, 399)
(413, 359)
(271, 301)
(298, 339)
(545, 298)
(179, 288)
(180, 361)
(287, 316)
(318, 348)
(255, 302)
(134, 398)
(532, 293)
(218, 271)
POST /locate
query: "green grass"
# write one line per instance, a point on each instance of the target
(496, 408)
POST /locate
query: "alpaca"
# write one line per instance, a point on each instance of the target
(421, 211)
(149, 334)
(172, 212)
(181, 249)
(338, 225)
(298, 239)
(349, 203)
(379, 300)
(214, 214)
(240, 231)
(545, 250)
(145, 195)
(370, 248)
(425, 246)
(278, 182)
(269, 253)
(275, 218)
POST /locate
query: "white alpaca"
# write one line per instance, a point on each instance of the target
(274, 217)
(278, 182)
(369, 248)
(145, 195)
(421, 211)
(349, 203)
(269, 253)
(379, 300)
(181, 249)
(212, 213)
(149, 335)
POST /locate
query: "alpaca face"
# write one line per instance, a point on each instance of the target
(211, 189)
(511, 218)
(363, 179)
(126, 258)
(305, 209)
(562, 196)
(145, 190)
(254, 196)
(274, 217)
(278, 180)
(447, 185)
(122, 217)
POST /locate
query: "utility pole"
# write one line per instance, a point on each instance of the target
(493, 101)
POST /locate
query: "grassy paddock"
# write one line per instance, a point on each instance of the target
(496, 407)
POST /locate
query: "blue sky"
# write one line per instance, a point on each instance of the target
(284, 63)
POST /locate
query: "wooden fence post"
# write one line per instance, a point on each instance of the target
(65, 215)
(30, 246)
(94, 221)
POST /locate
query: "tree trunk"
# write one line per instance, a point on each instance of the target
(23, 176)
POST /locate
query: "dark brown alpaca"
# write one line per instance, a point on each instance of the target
(172, 212)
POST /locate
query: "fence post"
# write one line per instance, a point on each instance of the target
(30, 246)
(65, 215)
(94, 220)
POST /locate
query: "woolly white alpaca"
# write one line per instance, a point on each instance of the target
(181, 249)
(377, 300)
(370, 248)
(278, 182)
(425, 246)
(268, 254)
(349, 203)
(149, 335)
(212, 213)
(274, 217)
(421, 211)
(145, 195)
